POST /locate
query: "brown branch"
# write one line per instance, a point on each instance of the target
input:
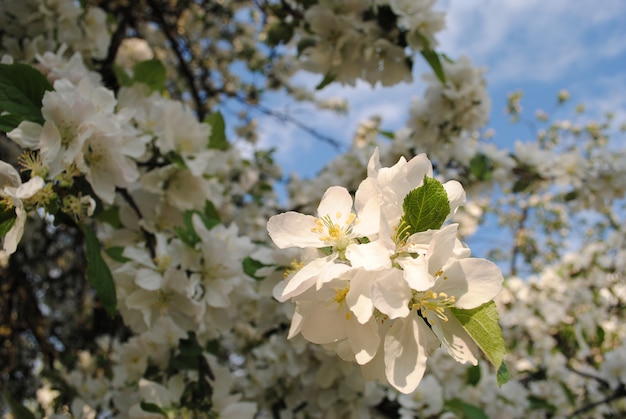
(184, 67)
(291, 120)
(617, 394)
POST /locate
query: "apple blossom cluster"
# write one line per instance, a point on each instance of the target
(176, 269)
(445, 119)
(347, 41)
(31, 27)
(380, 284)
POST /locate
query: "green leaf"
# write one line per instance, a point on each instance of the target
(150, 72)
(481, 167)
(388, 134)
(210, 218)
(152, 408)
(503, 375)
(218, 131)
(426, 207)
(187, 233)
(482, 325)
(21, 91)
(279, 33)
(189, 351)
(18, 410)
(98, 272)
(251, 266)
(122, 76)
(328, 79)
(111, 216)
(9, 122)
(473, 375)
(6, 225)
(465, 410)
(116, 253)
(539, 403)
(432, 58)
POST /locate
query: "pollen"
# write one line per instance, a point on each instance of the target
(432, 303)
(334, 231)
(340, 295)
(294, 267)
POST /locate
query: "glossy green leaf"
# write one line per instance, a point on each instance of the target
(426, 207)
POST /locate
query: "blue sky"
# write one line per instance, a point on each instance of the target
(537, 46)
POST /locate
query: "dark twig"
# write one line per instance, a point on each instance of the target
(183, 64)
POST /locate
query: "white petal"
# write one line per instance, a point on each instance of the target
(9, 176)
(29, 188)
(306, 277)
(26, 134)
(14, 235)
(291, 229)
(406, 346)
(374, 164)
(148, 279)
(456, 195)
(416, 273)
(331, 271)
(296, 324)
(418, 167)
(472, 281)
(391, 294)
(441, 248)
(455, 339)
(364, 340)
(371, 256)
(359, 298)
(336, 203)
(324, 324)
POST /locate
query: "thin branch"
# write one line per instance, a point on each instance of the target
(617, 394)
(291, 120)
(183, 64)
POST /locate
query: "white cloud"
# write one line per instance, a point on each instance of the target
(533, 39)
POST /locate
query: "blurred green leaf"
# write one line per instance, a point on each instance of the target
(98, 272)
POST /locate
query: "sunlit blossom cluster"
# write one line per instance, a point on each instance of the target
(381, 295)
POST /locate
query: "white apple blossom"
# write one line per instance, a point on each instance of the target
(12, 195)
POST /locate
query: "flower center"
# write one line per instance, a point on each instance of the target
(335, 232)
(431, 303)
